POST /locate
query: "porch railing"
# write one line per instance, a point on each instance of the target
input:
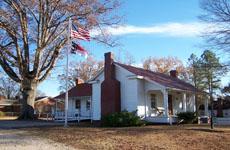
(72, 116)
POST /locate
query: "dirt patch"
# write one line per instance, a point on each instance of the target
(150, 137)
(24, 140)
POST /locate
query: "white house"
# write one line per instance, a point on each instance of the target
(155, 97)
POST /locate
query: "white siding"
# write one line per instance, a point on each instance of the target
(83, 110)
(128, 87)
(96, 97)
(71, 106)
(141, 98)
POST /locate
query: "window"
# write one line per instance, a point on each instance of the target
(78, 104)
(153, 101)
(88, 105)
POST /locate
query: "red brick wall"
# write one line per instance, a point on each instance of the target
(110, 88)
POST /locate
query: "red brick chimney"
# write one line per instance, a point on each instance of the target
(173, 73)
(78, 81)
(110, 88)
(109, 67)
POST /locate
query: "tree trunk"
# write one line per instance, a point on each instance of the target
(29, 88)
(196, 103)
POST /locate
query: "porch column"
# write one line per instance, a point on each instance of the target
(184, 102)
(165, 96)
(206, 107)
(194, 102)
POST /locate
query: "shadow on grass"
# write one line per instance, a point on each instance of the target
(206, 130)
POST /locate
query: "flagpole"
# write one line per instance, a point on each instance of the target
(67, 74)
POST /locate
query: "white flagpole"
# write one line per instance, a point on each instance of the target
(67, 74)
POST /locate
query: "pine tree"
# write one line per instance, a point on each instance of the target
(211, 72)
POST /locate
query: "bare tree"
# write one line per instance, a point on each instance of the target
(8, 88)
(125, 57)
(129, 59)
(84, 70)
(33, 34)
(165, 65)
(217, 14)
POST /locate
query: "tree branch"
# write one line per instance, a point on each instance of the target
(52, 61)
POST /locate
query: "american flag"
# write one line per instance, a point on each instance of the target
(76, 48)
(80, 33)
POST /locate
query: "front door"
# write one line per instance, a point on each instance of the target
(78, 106)
(170, 105)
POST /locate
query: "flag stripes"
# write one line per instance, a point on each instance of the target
(80, 34)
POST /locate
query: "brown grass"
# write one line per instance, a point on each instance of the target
(8, 118)
(149, 137)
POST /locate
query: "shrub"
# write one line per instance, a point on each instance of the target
(188, 117)
(2, 114)
(121, 119)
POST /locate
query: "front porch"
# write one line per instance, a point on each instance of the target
(162, 106)
(79, 108)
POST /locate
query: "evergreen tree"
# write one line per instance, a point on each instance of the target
(211, 71)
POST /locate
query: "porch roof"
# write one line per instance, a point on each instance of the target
(83, 89)
(8, 102)
(160, 78)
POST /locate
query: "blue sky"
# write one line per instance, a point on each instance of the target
(151, 28)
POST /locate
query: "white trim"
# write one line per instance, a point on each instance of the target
(94, 82)
(135, 77)
(176, 89)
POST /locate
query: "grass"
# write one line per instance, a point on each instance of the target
(148, 137)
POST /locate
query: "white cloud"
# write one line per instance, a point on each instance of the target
(167, 29)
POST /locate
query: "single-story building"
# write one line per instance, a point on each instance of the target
(156, 97)
(222, 107)
(47, 106)
(10, 107)
(79, 104)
